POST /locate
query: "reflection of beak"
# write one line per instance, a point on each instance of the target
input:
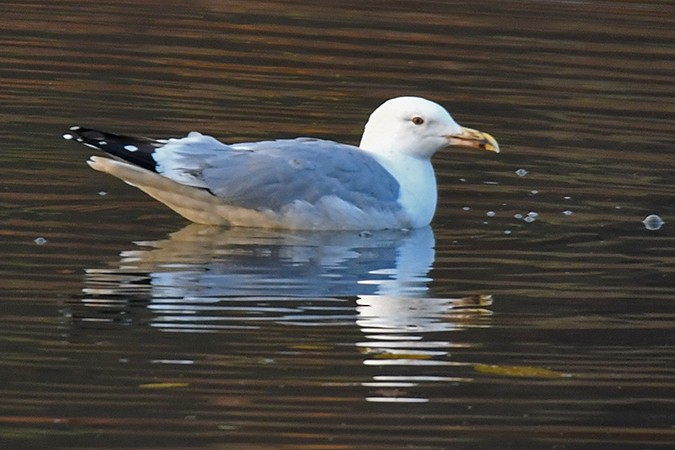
(474, 139)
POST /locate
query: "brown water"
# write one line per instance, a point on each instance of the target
(121, 326)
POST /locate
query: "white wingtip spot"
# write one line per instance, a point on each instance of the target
(130, 148)
(67, 137)
(102, 143)
(75, 128)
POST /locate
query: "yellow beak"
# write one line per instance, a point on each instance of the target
(470, 138)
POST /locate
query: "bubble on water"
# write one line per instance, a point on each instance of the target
(533, 214)
(490, 213)
(529, 219)
(567, 197)
(653, 222)
(534, 192)
(568, 212)
(463, 180)
(102, 193)
(507, 232)
(466, 208)
(518, 216)
(521, 172)
(40, 240)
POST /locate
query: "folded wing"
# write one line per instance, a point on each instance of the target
(267, 175)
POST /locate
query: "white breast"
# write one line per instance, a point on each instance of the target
(418, 194)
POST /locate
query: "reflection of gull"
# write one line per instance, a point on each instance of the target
(208, 279)
(385, 183)
(408, 273)
(200, 263)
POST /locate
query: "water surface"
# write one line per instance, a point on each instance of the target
(536, 311)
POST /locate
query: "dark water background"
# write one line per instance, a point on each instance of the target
(122, 327)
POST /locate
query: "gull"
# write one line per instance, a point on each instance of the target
(387, 182)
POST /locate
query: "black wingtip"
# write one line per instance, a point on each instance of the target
(136, 150)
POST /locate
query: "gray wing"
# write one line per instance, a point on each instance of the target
(272, 174)
(276, 173)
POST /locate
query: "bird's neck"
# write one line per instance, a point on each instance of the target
(417, 183)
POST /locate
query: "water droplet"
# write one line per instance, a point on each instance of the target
(507, 232)
(466, 208)
(40, 241)
(518, 216)
(490, 213)
(533, 214)
(521, 172)
(534, 192)
(653, 222)
(529, 219)
(567, 197)
(568, 212)
(102, 193)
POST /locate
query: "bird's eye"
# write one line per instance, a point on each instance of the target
(417, 120)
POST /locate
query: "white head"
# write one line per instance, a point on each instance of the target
(417, 127)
